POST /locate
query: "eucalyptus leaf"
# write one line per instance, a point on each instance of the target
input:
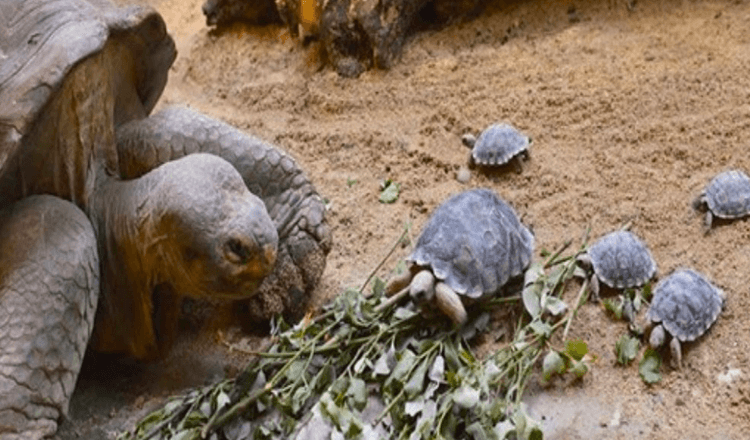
(466, 397)
(477, 432)
(626, 349)
(390, 192)
(503, 429)
(649, 366)
(403, 367)
(402, 313)
(576, 349)
(579, 368)
(541, 328)
(531, 297)
(415, 385)
(555, 306)
(414, 407)
(437, 370)
(553, 364)
(187, 434)
(378, 286)
(613, 307)
(358, 393)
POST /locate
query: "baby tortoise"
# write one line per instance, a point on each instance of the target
(620, 260)
(685, 305)
(472, 245)
(497, 145)
(726, 196)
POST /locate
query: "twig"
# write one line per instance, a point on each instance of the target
(553, 257)
(401, 294)
(584, 289)
(382, 262)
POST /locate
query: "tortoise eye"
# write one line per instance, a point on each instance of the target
(237, 251)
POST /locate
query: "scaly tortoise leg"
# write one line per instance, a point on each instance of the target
(49, 286)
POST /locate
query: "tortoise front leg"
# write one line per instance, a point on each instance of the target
(49, 286)
(450, 303)
(676, 350)
(295, 207)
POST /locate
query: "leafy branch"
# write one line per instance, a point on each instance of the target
(373, 366)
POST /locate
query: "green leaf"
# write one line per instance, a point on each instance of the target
(378, 286)
(649, 366)
(626, 349)
(613, 307)
(477, 432)
(351, 182)
(221, 400)
(358, 393)
(415, 385)
(414, 407)
(532, 290)
(187, 434)
(579, 368)
(390, 191)
(555, 276)
(646, 291)
(553, 364)
(403, 366)
(576, 349)
(402, 314)
(503, 429)
(384, 363)
(555, 306)
(437, 370)
(466, 397)
(541, 328)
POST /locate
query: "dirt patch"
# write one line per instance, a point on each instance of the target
(631, 112)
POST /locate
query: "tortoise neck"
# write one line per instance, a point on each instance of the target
(124, 215)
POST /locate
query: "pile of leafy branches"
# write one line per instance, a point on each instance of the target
(370, 366)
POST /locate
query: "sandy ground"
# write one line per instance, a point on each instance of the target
(631, 112)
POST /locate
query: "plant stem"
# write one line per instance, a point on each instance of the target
(382, 262)
(584, 289)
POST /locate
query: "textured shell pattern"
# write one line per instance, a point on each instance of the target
(475, 243)
(728, 194)
(686, 304)
(621, 260)
(498, 144)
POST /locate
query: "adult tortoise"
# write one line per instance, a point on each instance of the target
(471, 246)
(111, 215)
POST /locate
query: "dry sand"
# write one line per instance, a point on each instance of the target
(631, 113)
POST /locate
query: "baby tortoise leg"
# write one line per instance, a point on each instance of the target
(518, 164)
(708, 222)
(676, 350)
(398, 283)
(656, 340)
(700, 204)
(585, 261)
(520, 159)
(450, 303)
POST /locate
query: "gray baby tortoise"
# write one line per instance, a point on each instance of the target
(109, 215)
(685, 305)
(620, 260)
(472, 245)
(726, 196)
(497, 145)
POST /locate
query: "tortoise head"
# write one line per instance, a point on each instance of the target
(212, 237)
(188, 228)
